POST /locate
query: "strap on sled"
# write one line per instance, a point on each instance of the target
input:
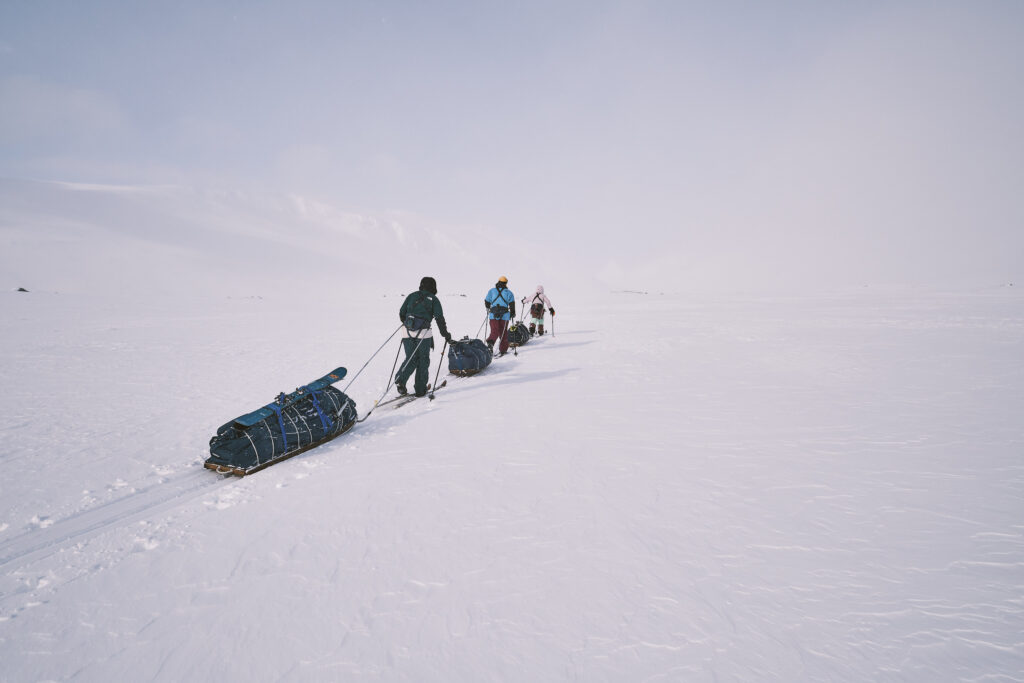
(325, 421)
(280, 421)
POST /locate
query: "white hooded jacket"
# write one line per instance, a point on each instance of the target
(539, 297)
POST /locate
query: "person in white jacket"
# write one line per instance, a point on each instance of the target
(536, 305)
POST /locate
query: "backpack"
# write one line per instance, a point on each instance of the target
(497, 310)
(413, 322)
(537, 308)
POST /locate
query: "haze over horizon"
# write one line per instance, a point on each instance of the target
(650, 145)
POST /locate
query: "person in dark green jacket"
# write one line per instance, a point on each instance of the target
(417, 312)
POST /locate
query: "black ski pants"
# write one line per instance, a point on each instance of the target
(416, 360)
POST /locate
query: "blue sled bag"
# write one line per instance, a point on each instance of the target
(468, 357)
(311, 415)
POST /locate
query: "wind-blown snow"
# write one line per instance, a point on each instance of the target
(824, 487)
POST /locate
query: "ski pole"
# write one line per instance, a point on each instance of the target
(374, 407)
(388, 388)
(406, 363)
(481, 326)
(371, 358)
(519, 331)
(392, 377)
(433, 386)
(504, 338)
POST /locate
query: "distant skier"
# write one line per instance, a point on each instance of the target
(417, 312)
(537, 305)
(500, 303)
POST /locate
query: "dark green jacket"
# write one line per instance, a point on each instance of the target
(423, 304)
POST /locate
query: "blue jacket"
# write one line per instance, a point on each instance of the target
(500, 297)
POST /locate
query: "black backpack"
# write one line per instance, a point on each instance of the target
(497, 310)
(537, 308)
(415, 323)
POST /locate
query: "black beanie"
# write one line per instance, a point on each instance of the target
(427, 284)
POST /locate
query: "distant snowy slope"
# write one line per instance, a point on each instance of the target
(73, 237)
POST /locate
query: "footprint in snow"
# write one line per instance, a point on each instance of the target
(38, 522)
(224, 501)
(144, 543)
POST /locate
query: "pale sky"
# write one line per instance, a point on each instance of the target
(653, 142)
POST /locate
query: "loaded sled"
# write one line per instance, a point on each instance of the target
(518, 334)
(468, 356)
(294, 423)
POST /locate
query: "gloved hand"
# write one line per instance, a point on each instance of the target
(552, 311)
(448, 337)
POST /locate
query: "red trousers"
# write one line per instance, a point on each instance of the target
(499, 328)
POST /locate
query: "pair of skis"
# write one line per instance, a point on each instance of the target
(404, 399)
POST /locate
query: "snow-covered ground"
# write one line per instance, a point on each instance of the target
(670, 487)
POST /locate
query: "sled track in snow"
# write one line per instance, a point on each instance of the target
(39, 543)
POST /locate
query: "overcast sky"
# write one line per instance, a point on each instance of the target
(655, 142)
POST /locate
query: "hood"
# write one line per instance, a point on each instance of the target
(540, 289)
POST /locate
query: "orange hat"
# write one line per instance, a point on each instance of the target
(503, 279)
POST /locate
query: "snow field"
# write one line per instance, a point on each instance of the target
(670, 488)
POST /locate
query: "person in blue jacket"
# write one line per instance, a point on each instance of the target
(500, 303)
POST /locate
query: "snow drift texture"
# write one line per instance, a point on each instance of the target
(821, 487)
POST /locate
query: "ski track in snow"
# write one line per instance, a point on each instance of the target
(735, 490)
(79, 527)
